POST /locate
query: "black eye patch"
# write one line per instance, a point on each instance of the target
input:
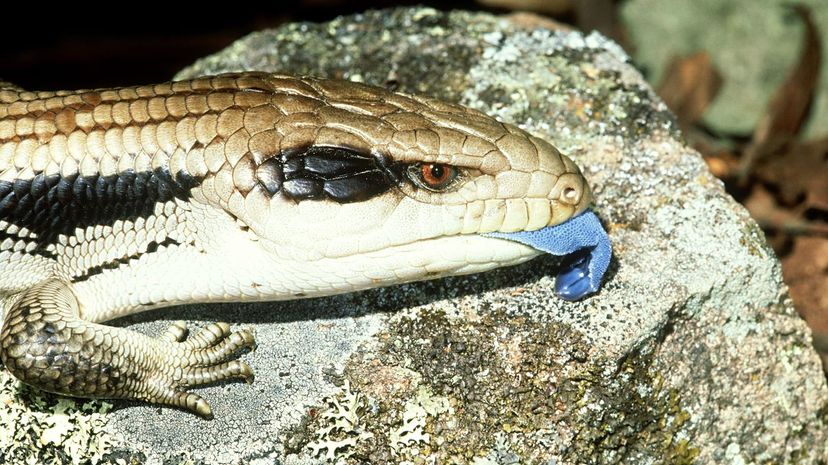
(335, 173)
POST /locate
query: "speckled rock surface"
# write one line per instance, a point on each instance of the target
(692, 353)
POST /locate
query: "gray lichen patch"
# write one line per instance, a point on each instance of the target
(582, 82)
(493, 387)
(38, 428)
(343, 431)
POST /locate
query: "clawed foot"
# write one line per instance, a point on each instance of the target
(204, 358)
(45, 344)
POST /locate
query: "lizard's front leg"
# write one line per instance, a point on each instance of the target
(46, 344)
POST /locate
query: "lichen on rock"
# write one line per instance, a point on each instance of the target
(42, 429)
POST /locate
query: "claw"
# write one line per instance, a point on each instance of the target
(46, 344)
(203, 358)
(583, 232)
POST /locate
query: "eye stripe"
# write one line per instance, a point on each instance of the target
(359, 187)
(327, 173)
(270, 176)
(329, 167)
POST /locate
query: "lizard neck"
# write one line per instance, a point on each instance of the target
(71, 160)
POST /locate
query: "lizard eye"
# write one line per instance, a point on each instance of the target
(433, 176)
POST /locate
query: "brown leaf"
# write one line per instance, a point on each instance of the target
(800, 175)
(764, 208)
(805, 271)
(598, 15)
(530, 21)
(791, 102)
(689, 85)
(780, 222)
(551, 7)
(720, 162)
(821, 346)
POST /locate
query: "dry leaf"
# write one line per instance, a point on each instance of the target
(530, 21)
(598, 15)
(689, 85)
(806, 272)
(800, 176)
(789, 106)
(552, 7)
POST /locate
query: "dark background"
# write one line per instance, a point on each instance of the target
(97, 46)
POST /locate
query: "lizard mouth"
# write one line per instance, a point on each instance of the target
(582, 236)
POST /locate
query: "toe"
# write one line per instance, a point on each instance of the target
(233, 369)
(175, 333)
(209, 336)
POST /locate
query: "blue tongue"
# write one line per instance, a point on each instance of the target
(582, 233)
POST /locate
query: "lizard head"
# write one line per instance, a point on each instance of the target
(370, 187)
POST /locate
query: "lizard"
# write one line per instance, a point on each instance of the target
(251, 187)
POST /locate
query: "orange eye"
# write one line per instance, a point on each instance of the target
(436, 176)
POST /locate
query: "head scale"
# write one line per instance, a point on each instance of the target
(358, 186)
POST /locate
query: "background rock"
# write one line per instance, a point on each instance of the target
(692, 353)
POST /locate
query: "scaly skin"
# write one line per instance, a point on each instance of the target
(239, 187)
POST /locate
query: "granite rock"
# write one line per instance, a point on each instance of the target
(691, 353)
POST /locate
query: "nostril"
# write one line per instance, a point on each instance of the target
(570, 194)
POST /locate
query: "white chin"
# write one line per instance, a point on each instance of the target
(430, 259)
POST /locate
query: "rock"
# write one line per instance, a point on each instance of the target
(692, 352)
(753, 44)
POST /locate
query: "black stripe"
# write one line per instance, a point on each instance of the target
(38, 250)
(53, 205)
(116, 263)
(328, 173)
